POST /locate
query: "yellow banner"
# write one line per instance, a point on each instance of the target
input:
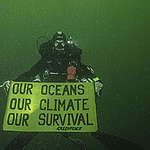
(51, 107)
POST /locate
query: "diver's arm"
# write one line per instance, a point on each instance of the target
(87, 75)
(26, 76)
(29, 75)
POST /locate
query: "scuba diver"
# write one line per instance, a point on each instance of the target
(61, 62)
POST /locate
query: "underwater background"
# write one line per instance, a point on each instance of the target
(115, 38)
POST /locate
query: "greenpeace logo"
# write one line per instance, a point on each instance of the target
(69, 128)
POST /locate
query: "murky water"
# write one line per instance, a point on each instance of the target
(114, 36)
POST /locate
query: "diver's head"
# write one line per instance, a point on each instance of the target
(60, 50)
(59, 41)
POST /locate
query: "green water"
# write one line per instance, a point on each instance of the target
(114, 36)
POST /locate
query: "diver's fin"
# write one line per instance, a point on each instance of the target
(79, 143)
(21, 140)
(116, 143)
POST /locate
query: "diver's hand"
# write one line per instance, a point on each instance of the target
(6, 86)
(98, 85)
(98, 88)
